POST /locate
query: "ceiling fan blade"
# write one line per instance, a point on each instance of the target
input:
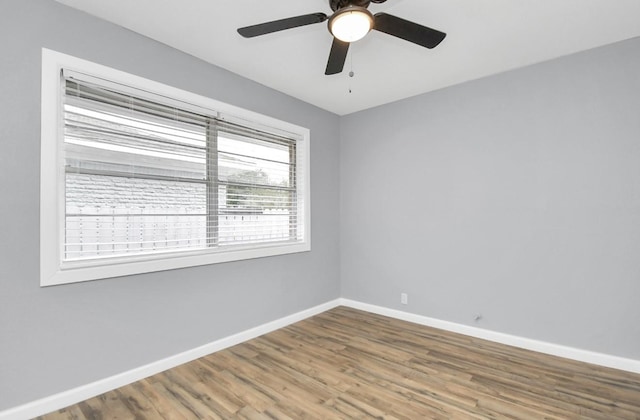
(337, 57)
(281, 25)
(407, 30)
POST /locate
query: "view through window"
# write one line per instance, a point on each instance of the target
(143, 177)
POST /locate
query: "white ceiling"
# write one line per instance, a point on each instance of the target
(484, 37)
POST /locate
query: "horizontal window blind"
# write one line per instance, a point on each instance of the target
(145, 176)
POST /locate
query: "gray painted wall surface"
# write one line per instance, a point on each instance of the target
(515, 196)
(57, 338)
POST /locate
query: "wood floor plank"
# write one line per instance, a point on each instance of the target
(346, 363)
(157, 400)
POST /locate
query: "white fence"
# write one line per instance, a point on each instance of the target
(108, 231)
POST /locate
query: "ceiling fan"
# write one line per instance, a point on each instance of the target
(350, 22)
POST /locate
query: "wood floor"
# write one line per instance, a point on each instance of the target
(348, 364)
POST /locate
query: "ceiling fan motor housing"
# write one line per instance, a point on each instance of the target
(340, 4)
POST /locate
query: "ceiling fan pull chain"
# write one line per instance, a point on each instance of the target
(351, 73)
(353, 51)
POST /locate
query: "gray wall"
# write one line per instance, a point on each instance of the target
(53, 339)
(516, 196)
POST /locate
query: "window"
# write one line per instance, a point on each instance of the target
(138, 177)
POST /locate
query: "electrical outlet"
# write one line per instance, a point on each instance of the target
(404, 298)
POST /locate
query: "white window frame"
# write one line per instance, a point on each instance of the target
(53, 270)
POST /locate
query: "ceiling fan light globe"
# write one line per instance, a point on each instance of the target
(351, 23)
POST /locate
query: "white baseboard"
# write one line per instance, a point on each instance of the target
(73, 396)
(629, 365)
